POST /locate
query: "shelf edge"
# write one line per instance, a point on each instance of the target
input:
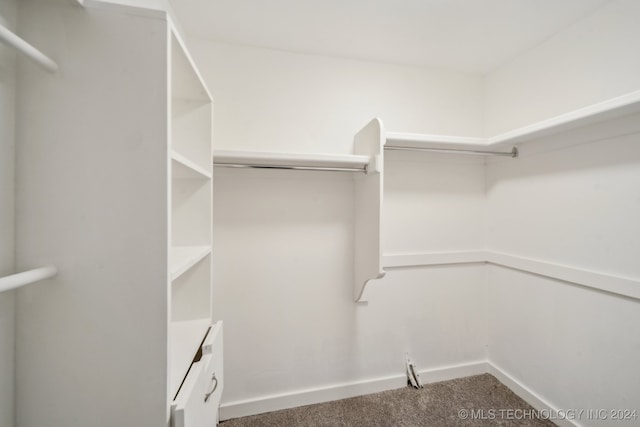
(189, 164)
(199, 253)
(611, 108)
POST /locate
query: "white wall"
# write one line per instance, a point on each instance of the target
(8, 12)
(579, 207)
(284, 240)
(590, 61)
(279, 101)
(433, 203)
(283, 285)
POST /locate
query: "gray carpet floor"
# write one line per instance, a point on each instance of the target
(447, 403)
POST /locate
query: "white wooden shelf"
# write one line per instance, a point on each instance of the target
(257, 159)
(183, 168)
(369, 261)
(186, 337)
(186, 83)
(606, 110)
(182, 258)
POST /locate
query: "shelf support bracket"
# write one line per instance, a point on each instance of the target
(368, 208)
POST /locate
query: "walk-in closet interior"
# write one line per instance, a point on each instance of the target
(342, 185)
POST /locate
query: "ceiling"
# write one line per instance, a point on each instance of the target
(467, 35)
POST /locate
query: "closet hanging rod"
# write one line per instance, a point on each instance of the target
(26, 277)
(302, 168)
(15, 42)
(512, 153)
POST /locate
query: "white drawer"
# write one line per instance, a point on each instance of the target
(198, 400)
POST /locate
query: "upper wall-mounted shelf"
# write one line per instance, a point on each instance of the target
(370, 144)
(446, 144)
(368, 259)
(606, 110)
(259, 160)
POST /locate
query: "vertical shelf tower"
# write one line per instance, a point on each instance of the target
(189, 212)
(190, 237)
(114, 187)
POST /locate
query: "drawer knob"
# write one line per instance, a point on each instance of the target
(214, 385)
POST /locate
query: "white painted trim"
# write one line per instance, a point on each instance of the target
(528, 395)
(119, 7)
(275, 402)
(451, 372)
(399, 260)
(592, 279)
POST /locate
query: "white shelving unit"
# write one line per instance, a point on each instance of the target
(369, 259)
(370, 144)
(592, 114)
(123, 143)
(190, 258)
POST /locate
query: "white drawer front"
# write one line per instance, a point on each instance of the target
(199, 398)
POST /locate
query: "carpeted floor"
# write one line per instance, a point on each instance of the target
(473, 401)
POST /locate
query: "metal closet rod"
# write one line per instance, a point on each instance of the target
(302, 168)
(26, 277)
(512, 153)
(10, 39)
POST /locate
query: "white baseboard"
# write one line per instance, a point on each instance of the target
(243, 408)
(529, 396)
(400, 260)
